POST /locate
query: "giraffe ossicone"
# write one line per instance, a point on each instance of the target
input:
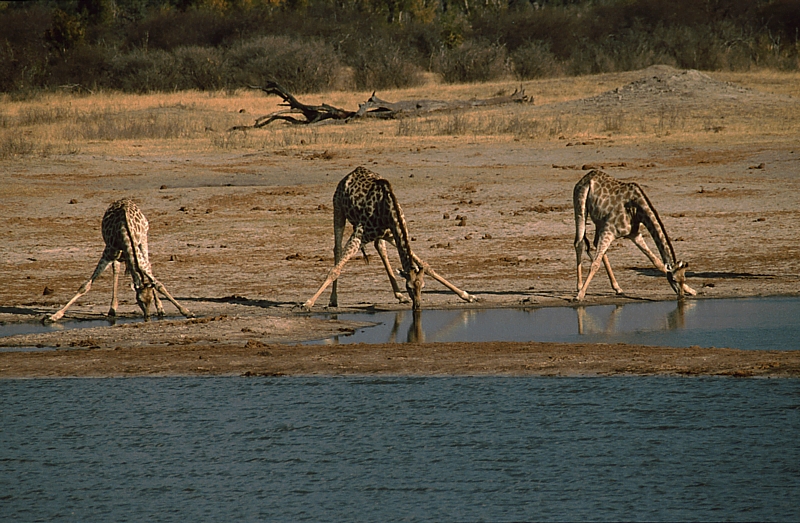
(368, 202)
(618, 209)
(125, 230)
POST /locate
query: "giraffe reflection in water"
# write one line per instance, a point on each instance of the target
(588, 324)
(415, 332)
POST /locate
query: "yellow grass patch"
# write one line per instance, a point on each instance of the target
(190, 121)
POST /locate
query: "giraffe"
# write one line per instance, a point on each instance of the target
(367, 201)
(125, 234)
(617, 210)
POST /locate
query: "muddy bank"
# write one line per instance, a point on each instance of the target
(434, 359)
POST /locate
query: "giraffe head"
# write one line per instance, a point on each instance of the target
(676, 275)
(415, 281)
(145, 296)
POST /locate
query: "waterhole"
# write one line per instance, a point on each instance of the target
(751, 323)
(14, 329)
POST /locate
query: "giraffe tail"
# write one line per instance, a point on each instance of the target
(580, 195)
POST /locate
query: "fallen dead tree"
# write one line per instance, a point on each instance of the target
(377, 108)
(302, 114)
(312, 113)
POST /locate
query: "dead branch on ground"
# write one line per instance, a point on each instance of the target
(374, 107)
(377, 108)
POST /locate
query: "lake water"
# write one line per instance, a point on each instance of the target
(400, 449)
(745, 323)
(751, 323)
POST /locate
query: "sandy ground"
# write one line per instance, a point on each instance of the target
(241, 238)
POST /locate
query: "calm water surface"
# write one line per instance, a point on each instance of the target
(406, 449)
(752, 323)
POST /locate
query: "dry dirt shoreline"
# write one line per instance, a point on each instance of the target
(431, 359)
(242, 236)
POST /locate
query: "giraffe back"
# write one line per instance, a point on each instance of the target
(366, 199)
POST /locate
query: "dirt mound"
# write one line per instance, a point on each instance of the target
(663, 85)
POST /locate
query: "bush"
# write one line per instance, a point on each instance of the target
(382, 64)
(85, 65)
(472, 62)
(142, 72)
(299, 65)
(534, 60)
(199, 68)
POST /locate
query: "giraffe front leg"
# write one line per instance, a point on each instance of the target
(352, 247)
(461, 294)
(86, 287)
(380, 246)
(158, 286)
(159, 306)
(638, 240)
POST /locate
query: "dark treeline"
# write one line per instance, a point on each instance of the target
(312, 45)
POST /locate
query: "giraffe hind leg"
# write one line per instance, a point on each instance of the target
(350, 249)
(339, 221)
(610, 273)
(605, 240)
(112, 310)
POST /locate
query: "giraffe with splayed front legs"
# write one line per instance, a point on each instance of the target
(369, 204)
(125, 234)
(617, 210)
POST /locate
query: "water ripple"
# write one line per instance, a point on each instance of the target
(401, 449)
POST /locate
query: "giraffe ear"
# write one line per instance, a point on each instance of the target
(404, 274)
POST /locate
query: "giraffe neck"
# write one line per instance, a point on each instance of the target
(140, 269)
(652, 221)
(400, 229)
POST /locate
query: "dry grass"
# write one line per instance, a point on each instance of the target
(56, 123)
